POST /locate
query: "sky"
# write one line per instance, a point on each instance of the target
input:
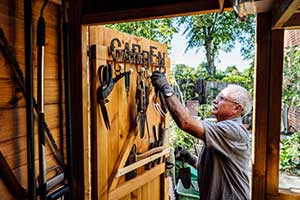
(193, 59)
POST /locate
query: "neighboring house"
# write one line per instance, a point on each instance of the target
(292, 38)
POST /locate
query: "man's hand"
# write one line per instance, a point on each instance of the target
(182, 154)
(159, 81)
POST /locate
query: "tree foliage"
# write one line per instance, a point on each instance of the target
(291, 77)
(217, 32)
(290, 154)
(160, 30)
(186, 77)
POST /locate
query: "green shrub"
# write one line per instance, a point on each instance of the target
(290, 154)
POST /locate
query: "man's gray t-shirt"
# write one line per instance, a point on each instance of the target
(223, 161)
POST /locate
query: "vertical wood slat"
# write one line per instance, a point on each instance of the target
(86, 110)
(274, 115)
(261, 94)
(93, 117)
(76, 96)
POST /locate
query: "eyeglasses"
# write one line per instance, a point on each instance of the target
(221, 97)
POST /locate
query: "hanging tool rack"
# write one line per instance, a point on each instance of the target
(131, 151)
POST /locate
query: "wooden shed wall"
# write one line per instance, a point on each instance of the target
(111, 144)
(13, 117)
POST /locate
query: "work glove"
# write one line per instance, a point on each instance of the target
(159, 81)
(183, 155)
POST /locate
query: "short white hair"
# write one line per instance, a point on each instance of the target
(241, 96)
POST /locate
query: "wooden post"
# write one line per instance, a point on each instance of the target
(76, 99)
(261, 96)
(274, 114)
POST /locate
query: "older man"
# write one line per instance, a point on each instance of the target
(223, 162)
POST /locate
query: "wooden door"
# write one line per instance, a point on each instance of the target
(111, 146)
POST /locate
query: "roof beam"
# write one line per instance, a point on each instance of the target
(283, 11)
(124, 13)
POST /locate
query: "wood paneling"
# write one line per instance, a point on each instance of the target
(9, 93)
(13, 124)
(13, 117)
(113, 145)
(15, 150)
(149, 181)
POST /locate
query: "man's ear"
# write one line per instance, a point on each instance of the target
(238, 108)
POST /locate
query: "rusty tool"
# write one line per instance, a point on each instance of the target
(142, 100)
(107, 84)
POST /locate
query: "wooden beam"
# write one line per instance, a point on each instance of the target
(274, 112)
(141, 163)
(284, 194)
(263, 5)
(153, 11)
(293, 22)
(150, 152)
(121, 161)
(135, 183)
(76, 99)
(261, 95)
(283, 11)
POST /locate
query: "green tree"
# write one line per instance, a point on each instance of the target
(217, 32)
(160, 30)
(291, 76)
(185, 76)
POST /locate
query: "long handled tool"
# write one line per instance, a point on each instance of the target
(44, 185)
(29, 98)
(41, 37)
(19, 78)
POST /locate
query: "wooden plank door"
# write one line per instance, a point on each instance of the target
(111, 147)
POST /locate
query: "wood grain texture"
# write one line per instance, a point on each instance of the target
(261, 104)
(116, 142)
(96, 12)
(76, 96)
(145, 178)
(283, 11)
(12, 116)
(274, 115)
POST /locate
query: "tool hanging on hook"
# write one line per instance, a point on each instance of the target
(41, 42)
(142, 100)
(107, 83)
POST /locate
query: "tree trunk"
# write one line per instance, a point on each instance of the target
(210, 57)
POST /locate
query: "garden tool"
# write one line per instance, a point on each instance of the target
(41, 37)
(54, 181)
(156, 143)
(107, 83)
(126, 58)
(184, 173)
(130, 160)
(142, 101)
(55, 186)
